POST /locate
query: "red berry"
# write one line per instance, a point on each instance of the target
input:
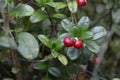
(68, 41)
(97, 60)
(81, 2)
(78, 44)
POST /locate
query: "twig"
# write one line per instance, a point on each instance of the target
(13, 54)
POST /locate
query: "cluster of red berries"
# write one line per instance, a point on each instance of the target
(69, 42)
(81, 2)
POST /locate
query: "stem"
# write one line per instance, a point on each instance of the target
(13, 54)
(53, 25)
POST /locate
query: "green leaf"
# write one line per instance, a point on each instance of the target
(54, 53)
(8, 42)
(28, 45)
(59, 16)
(57, 5)
(22, 10)
(54, 71)
(15, 70)
(72, 5)
(76, 32)
(38, 16)
(46, 78)
(62, 59)
(1, 20)
(84, 22)
(86, 35)
(98, 32)
(93, 46)
(73, 53)
(67, 25)
(45, 40)
(58, 44)
(43, 2)
(40, 66)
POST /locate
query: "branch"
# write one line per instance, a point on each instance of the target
(13, 54)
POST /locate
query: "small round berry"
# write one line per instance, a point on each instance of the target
(68, 41)
(81, 2)
(97, 60)
(78, 44)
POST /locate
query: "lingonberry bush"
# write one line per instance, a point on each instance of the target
(47, 40)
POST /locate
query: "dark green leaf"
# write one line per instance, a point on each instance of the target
(44, 40)
(54, 53)
(73, 53)
(54, 71)
(93, 46)
(86, 35)
(28, 45)
(62, 59)
(8, 42)
(59, 16)
(43, 2)
(84, 22)
(57, 5)
(98, 32)
(67, 25)
(22, 10)
(72, 5)
(40, 66)
(38, 16)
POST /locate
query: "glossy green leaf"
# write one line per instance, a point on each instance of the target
(98, 32)
(58, 44)
(72, 5)
(38, 16)
(67, 25)
(73, 53)
(93, 46)
(86, 35)
(54, 71)
(54, 53)
(59, 16)
(28, 45)
(40, 66)
(43, 2)
(57, 5)
(76, 31)
(8, 42)
(62, 59)
(84, 22)
(22, 10)
(44, 40)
